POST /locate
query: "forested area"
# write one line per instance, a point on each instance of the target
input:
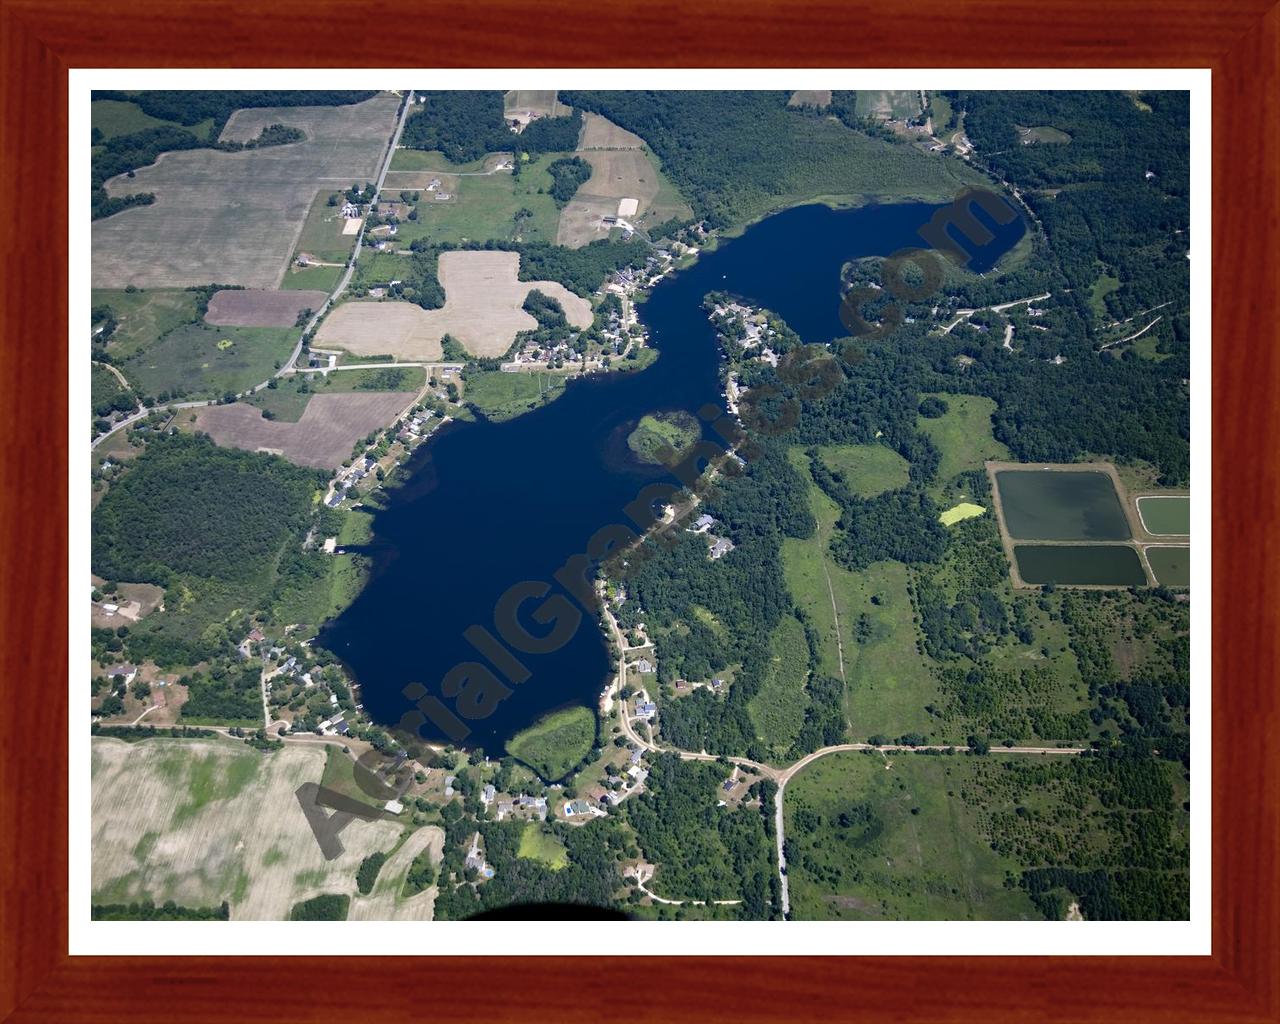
(705, 852)
(590, 878)
(735, 155)
(464, 126)
(228, 691)
(1114, 199)
(124, 154)
(189, 507)
(568, 174)
(581, 270)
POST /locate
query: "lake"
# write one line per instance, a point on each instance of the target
(1043, 504)
(1171, 565)
(1111, 565)
(488, 505)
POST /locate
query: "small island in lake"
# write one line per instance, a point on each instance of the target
(657, 432)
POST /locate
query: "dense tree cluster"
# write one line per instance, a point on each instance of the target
(326, 907)
(568, 175)
(188, 506)
(148, 910)
(464, 126)
(705, 852)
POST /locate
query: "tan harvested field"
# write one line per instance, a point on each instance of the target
(601, 133)
(386, 903)
(542, 102)
(260, 308)
(234, 218)
(322, 437)
(482, 310)
(810, 98)
(616, 174)
(202, 821)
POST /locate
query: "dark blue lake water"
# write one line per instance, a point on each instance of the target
(488, 505)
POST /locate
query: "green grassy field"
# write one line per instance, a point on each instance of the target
(502, 396)
(777, 711)
(322, 235)
(896, 103)
(963, 435)
(556, 744)
(339, 776)
(195, 360)
(942, 113)
(287, 401)
(868, 469)
(486, 206)
(898, 842)
(120, 117)
(535, 844)
(887, 681)
(144, 315)
(321, 279)
(1102, 287)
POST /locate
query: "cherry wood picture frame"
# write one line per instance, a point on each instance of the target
(1238, 39)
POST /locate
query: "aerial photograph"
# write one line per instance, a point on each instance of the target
(671, 505)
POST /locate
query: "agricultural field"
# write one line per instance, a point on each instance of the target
(197, 360)
(820, 98)
(387, 901)
(618, 174)
(778, 709)
(234, 218)
(556, 744)
(326, 236)
(888, 682)
(1060, 504)
(520, 103)
(322, 436)
(321, 279)
(484, 206)
(893, 838)
(288, 400)
(601, 133)
(482, 309)
(501, 396)
(432, 160)
(202, 821)
(260, 308)
(963, 435)
(888, 104)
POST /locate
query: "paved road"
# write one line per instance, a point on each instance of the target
(287, 366)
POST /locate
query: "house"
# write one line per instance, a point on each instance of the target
(335, 499)
(728, 785)
(449, 780)
(576, 807)
(128, 671)
(350, 210)
(646, 709)
(703, 523)
(717, 684)
(505, 807)
(636, 755)
(644, 666)
(722, 546)
(487, 795)
(255, 635)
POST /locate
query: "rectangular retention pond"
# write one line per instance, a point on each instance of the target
(1165, 515)
(1043, 504)
(1097, 565)
(1172, 565)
